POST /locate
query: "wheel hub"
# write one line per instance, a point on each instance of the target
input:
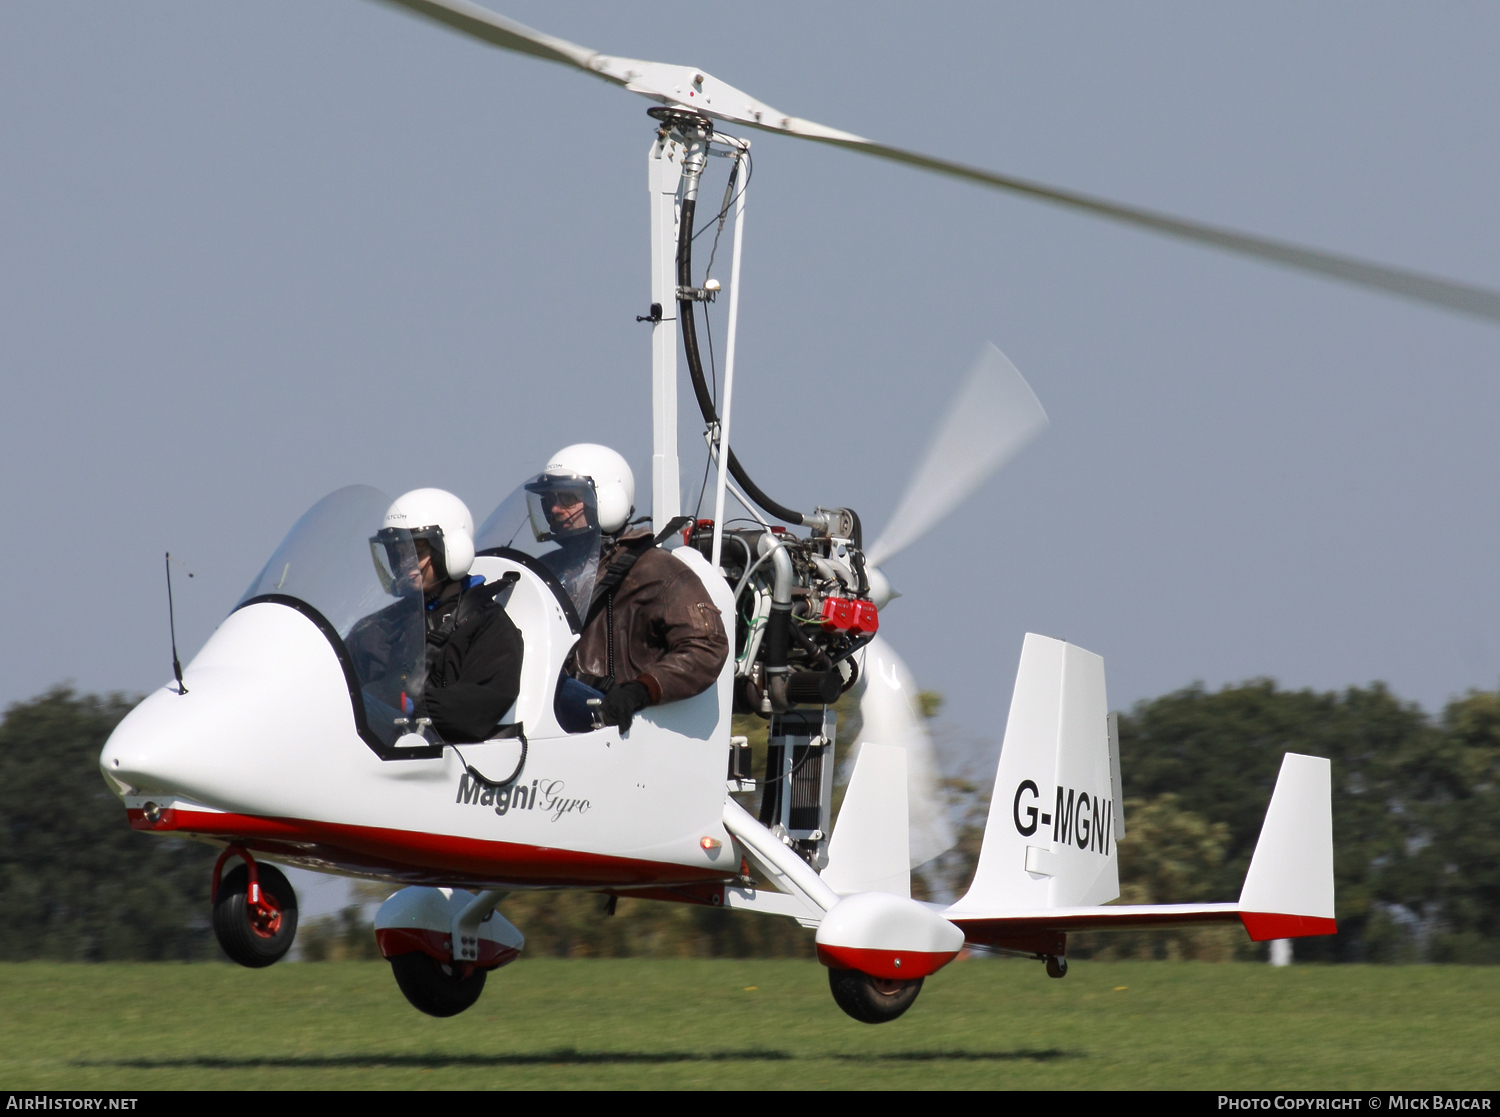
(265, 917)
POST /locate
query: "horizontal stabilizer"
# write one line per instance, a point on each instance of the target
(1028, 930)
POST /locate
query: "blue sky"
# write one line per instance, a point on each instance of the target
(254, 252)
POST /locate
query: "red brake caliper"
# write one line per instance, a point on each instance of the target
(265, 914)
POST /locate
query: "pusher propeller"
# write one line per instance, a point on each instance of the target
(991, 420)
(993, 416)
(891, 714)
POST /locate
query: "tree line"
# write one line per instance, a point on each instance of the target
(1416, 815)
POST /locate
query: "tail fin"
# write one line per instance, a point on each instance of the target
(869, 850)
(1289, 889)
(1056, 812)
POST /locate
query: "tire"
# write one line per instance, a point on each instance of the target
(436, 988)
(248, 939)
(1057, 966)
(871, 1000)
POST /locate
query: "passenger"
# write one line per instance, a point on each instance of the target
(473, 649)
(651, 634)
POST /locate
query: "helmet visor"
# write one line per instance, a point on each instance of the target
(561, 507)
(394, 554)
(553, 519)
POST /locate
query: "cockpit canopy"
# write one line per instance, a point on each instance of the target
(360, 583)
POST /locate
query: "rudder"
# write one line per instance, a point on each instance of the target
(1288, 889)
(1054, 817)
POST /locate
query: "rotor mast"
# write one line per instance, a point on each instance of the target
(676, 163)
(664, 165)
(674, 168)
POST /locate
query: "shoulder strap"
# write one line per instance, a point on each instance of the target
(672, 528)
(484, 597)
(620, 565)
(473, 602)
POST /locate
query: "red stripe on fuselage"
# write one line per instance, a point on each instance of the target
(893, 965)
(415, 857)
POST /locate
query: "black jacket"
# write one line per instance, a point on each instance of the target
(473, 663)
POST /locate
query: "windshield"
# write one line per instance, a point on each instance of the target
(553, 520)
(362, 581)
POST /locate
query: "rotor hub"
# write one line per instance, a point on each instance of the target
(690, 124)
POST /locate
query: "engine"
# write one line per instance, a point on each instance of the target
(802, 609)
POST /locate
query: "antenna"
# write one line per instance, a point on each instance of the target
(172, 624)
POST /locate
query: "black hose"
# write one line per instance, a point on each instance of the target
(778, 638)
(819, 656)
(685, 314)
(481, 778)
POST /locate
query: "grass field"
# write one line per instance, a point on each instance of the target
(546, 1024)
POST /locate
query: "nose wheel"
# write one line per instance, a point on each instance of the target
(871, 1000)
(255, 921)
(437, 988)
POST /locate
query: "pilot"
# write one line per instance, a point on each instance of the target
(651, 634)
(568, 517)
(473, 649)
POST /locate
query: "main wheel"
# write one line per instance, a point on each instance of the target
(872, 1000)
(1057, 966)
(436, 988)
(255, 938)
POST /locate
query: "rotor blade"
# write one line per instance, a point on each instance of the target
(700, 92)
(684, 86)
(1461, 297)
(994, 415)
(493, 28)
(888, 706)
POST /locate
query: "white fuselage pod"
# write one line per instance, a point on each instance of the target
(264, 749)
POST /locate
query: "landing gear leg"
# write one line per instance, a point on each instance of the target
(254, 911)
(871, 1000)
(1057, 965)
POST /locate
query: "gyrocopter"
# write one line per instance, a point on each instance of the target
(277, 744)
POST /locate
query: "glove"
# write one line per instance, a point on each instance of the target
(621, 703)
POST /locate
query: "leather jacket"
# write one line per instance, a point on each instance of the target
(667, 633)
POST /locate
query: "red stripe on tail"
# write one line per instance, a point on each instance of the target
(1268, 925)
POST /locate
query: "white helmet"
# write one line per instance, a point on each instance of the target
(443, 521)
(614, 484)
